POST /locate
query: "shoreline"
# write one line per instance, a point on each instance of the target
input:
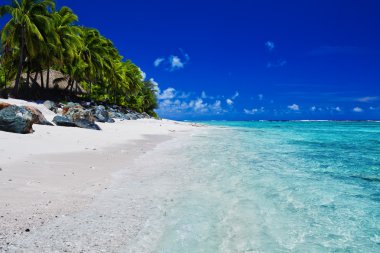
(57, 172)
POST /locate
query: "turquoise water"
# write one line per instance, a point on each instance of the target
(279, 187)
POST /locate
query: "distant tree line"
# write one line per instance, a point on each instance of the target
(38, 38)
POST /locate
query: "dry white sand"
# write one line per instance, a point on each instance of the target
(78, 190)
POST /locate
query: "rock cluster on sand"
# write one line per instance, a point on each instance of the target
(20, 119)
(94, 112)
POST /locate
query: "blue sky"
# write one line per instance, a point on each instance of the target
(247, 59)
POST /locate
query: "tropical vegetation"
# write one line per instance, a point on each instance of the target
(38, 38)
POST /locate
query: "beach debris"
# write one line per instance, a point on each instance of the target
(16, 120)
(27, 230)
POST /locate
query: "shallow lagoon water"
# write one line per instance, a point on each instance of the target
(278, 187)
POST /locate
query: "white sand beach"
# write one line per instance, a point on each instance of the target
(72, 189)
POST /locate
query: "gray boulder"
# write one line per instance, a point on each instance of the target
(130, 116)
(110, 120)
(77, 112)
(145, 115)
(100, 114)
(63, 121)
(38, 117)
(50, 105)
(83, 123)
(16, 120)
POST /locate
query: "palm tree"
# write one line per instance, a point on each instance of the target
(24, 31)
(65, 40)
(93, 54)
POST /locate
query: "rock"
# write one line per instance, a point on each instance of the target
(37, 115)
(146, 115)
(16, 120)
(83, 123)
(4, 105)
(68, 106)
(130, 116)
(51, 106)
(63, 121)
(77, 112)
(110, 120)
(101, 114)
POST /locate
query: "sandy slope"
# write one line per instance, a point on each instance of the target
(59, 183)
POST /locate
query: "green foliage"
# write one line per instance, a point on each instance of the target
(37, 37)
(2, 77)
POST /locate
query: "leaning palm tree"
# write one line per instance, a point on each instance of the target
(24, 31)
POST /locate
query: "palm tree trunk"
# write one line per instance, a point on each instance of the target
(42, 79)
(27, 78)
(47, 77)
(68, 84)
(20, 63)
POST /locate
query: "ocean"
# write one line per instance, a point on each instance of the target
(278, 187)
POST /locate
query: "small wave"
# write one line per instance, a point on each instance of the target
(368, 179)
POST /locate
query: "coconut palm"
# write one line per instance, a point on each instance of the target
(24, 31)
(64, 40)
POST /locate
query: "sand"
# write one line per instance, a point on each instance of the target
(78, 190)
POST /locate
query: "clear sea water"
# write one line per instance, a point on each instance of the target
(279, 187)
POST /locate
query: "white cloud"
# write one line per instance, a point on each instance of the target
(183, 95)
(179, 103)
(277, 64)
(216, 107)
(367, 99)
(229, 101)
(357, 109)
(169, 93)
(157, 88)
(235, 95)
(143, 74)
(294, 107)
(198, 105)
(158, 61)
(269, 45)
(261, 96)
(313, 108)
(372, 108)
(254, 111)
(337, 109)
(173, 62)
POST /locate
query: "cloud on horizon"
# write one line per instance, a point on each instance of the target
(357, 109)
(174, 103)
(367, 99)
(294, 107)
(254, 111)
